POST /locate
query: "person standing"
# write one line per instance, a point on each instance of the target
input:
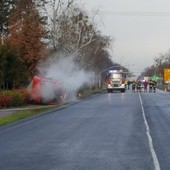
(154, 85)
(128, 84)
(133, 86)
(145, 83)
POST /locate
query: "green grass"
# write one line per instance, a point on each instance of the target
(22, 114)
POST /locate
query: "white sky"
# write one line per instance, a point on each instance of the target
(139, 35)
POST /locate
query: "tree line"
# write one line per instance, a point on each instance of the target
(34, 30)
(161, 62)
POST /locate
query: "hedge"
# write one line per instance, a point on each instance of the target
(13, 98)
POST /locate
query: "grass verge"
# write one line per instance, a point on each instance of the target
(163, 87)
(22, 114)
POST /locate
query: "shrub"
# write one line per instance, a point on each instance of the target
(5, 101)
(13, 98)
(24, 95)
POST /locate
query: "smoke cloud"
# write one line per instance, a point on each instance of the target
(65, 70)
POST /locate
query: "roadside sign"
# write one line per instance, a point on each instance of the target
(156, 78)
(166, 75)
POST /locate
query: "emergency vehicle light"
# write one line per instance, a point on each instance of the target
(112, 71)
(115, 71)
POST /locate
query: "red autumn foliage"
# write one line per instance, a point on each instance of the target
(14, 98)
(5, 101)
(26, 32)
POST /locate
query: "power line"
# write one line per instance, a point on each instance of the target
(133, 13)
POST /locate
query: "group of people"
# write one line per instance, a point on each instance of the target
(142, 86)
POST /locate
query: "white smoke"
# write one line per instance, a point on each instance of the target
(65, 70)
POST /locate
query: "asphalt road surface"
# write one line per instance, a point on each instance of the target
(111, 131)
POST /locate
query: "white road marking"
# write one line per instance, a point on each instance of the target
(154, 156)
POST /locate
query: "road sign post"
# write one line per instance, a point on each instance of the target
(167, 77)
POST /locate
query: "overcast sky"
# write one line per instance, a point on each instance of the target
(140, 29)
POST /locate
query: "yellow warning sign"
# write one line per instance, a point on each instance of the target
(167, 75)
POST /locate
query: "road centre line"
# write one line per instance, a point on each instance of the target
(153, 153)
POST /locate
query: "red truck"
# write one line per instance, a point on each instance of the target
(115, 81)
(46, 90)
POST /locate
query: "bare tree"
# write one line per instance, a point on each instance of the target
(167, 57)
(73, 31)
(54, 9)
(159, 64)
(149, 71)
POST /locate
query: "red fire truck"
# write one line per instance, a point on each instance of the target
(45, 90)
(115, 81)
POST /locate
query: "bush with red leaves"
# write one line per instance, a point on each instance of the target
(14, 98)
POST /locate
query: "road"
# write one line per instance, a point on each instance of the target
(115, 131)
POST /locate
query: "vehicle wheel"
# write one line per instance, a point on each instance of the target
(109, 91)
(123, 90)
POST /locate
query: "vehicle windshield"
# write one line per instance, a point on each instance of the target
(115, 76)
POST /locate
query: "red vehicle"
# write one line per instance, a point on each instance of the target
(45, 90)
(115, 81)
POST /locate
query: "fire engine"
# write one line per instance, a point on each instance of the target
(45, 90)
(115, 81)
